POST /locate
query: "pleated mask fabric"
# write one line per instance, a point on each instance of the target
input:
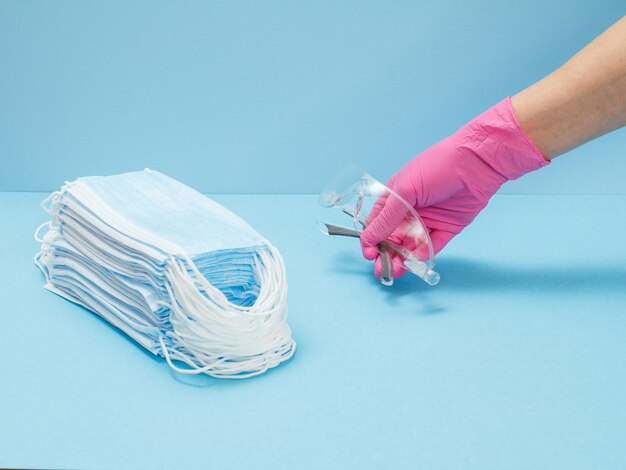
(176, 271)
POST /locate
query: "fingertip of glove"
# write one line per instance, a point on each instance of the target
(369, 252)
(369, 236)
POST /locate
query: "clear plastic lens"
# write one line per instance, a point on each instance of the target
(361, 197)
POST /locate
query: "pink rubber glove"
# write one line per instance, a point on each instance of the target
(452, 181)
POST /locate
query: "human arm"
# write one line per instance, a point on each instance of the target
(583, 99)
(452, 181)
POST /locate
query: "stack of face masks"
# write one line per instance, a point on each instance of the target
(177, 272)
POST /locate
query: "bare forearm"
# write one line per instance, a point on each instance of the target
(580, 101)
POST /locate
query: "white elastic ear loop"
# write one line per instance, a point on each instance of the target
(268, 289)
(194, 370)
(44, 253)
(194, 367)
(280, 352)
(188, 324)
(46, 204)
(201, 319)
(38, 230)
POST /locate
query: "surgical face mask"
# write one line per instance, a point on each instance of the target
(176, 271)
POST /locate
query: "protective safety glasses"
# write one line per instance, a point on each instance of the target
(361, 197)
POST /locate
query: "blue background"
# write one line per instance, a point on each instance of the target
(516, 360)
(272, 96)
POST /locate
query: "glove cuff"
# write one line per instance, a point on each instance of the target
(501, 142)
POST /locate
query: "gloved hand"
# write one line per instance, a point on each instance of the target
(452, 181)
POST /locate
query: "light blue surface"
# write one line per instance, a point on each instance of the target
(272, 96)
(517, 360)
